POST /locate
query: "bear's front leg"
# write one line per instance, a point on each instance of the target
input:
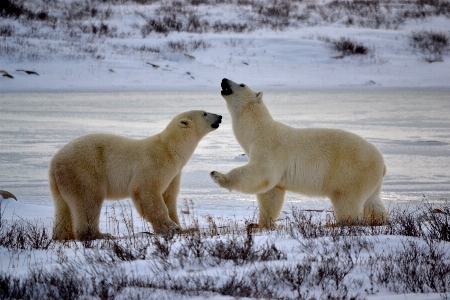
(151, 206)
(252, 178)
(171, 196)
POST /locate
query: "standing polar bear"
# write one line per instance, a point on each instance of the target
(98, 166)
(313, 161)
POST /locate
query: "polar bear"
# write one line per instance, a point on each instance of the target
(313, 161)
(95, 167)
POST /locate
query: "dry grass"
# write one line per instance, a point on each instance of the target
(324, 262)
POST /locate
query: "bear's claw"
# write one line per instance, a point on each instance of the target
(167, 231)
(215, 176)
(220, 179)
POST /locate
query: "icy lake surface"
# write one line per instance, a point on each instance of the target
(411, 127)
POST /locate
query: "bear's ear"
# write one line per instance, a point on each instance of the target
(185, 122)
(259, 96)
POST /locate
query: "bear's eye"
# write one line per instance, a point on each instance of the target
(204, 114)
(242, 85)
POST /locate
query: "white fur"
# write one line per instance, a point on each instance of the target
(312, 161)
(95, 167)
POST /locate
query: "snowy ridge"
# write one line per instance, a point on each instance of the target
(127, 46)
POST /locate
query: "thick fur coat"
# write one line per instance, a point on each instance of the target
(95, 167)
(312, 161)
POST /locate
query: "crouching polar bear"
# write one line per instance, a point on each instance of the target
(313, 161)
(98, 166)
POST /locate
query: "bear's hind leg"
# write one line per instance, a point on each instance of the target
(62, 228)
(270, 204)
(348, 207)
(375, 212)
(86, 217)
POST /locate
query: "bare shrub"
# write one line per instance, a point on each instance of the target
(101, 29)
(23, 235)
(182, 46)
(154, 25)
(220, 26)
(306, 225)
(417, 268)
(14, 9)
(175, 18)
(326, 263)
(425, 8)
(177, 46)
(431, 45)
(84, 10)
(242, 251)
(139, 1)
(162, 246)
(438, 223)
(147, 49)
(347, 47)
(19, 9)
(7, 30)
(274, 14)
(296, 276)
(195, 25)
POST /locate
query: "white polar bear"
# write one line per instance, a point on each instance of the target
(97, 166)
(312, 161)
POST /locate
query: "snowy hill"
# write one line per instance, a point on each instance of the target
(166, 45)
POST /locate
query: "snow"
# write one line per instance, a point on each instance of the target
(409, 126)
(392, 97)
(293, 58)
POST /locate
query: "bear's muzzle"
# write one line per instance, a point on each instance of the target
(216, 123)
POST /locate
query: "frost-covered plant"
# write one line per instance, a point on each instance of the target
(324, 264)
(181, 46)
(7, 30)
(431, 45)
(347, 47)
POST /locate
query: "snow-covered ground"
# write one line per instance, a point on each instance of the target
(390, 96)
(409, 126)
(71, 52)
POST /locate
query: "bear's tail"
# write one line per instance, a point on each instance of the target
(53, 185)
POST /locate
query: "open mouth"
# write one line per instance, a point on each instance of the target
(226, 87)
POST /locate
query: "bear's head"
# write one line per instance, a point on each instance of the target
(239, 95)
(198, 121)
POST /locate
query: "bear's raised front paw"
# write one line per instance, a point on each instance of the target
(217, 177)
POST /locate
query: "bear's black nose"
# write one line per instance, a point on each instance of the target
(216, 123)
